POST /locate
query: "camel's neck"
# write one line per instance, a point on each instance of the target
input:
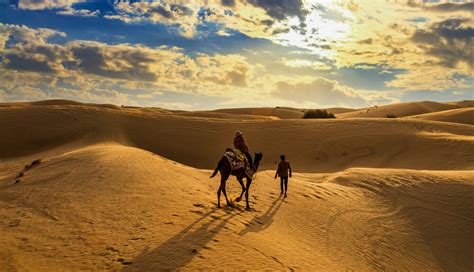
(256, 164)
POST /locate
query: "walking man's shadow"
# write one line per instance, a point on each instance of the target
(261, 222)
(177, 251)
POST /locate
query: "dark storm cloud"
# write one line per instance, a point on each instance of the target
(281, 9)
(449, 40)
(23, 63)
(181, 10)
(34, 57)
(117, 64)
(49, 52)
(443, 7)
(161, 11)
(447, 7)
(171, 11)
(366, 41)
(228, 3)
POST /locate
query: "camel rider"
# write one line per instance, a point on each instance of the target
(239, 144)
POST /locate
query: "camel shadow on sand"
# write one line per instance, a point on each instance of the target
(261, 222)
(180, 249)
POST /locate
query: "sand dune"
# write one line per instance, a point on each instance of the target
(314, 145)
(279, 112)
(119, 188)
(463, 116)
(112, 207)
(405, 109)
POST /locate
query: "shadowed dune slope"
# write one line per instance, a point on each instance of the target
(115, 207)
(282, 113)
(405, 109)
(221, 115)
(312, 145)
(463, 116)
(57, 102)
(463, 104)
(339, 110)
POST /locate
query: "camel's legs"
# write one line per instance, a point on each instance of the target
(224, 177)
(219, 196)
(225, 194)
(243, 189)
(249, 181)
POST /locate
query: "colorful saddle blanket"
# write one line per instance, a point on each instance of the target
(235, 161)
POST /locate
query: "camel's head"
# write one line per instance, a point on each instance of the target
(258, 158)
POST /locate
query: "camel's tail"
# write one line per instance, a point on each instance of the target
(219, 164)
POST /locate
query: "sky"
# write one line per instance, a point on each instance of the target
(208, 54)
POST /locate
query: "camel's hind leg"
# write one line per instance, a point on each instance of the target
(224, 178)
(219, 196)
(225, 195)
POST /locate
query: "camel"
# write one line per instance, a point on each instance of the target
(225, 169)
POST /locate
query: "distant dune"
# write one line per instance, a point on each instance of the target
(57, 102)
(95, 187)
(463, 116)
(405, 109)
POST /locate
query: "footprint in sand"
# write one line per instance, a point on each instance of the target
(26, 168)
(197, 211)
(14, 223)
(111, 248)
(123, 261)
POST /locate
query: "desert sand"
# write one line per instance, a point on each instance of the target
(125, 188)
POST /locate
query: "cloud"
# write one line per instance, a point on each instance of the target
(29, 50)
(117, 61)
(23, 34)
(304, 63)
(16, 62)
(45, 4)
(255, 18)
(228, 3)
(423, 79)
(451, 41)
(281, 9)
(442, 7)
(88, 68)
(325, 92)
(432, 54)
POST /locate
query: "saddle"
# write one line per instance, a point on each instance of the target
(235, 161)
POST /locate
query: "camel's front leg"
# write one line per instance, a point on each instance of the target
(249, 181)
(243, 190)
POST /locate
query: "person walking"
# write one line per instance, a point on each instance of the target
(283, 171)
